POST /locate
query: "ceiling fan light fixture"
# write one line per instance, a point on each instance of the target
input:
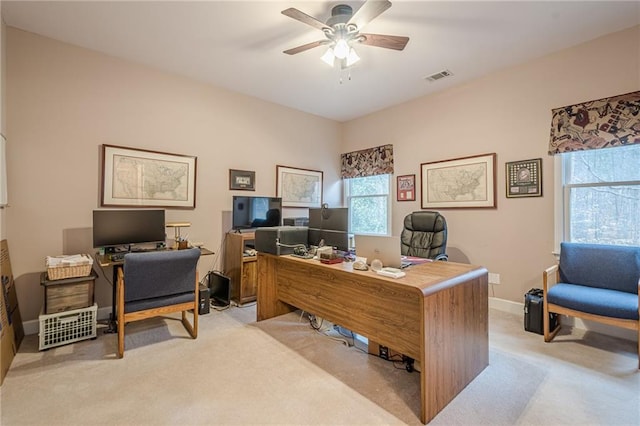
(328, 57)
(353, 57)
(341, 50)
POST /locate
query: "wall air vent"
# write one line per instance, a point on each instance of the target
(438, 76)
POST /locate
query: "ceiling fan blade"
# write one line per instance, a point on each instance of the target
(304, 47)
(369, 11)
(304, 18)
(386, 41)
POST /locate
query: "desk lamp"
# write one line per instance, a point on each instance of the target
(177, 226)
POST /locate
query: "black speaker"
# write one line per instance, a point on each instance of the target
(203, 306)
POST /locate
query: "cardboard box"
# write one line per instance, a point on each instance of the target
(11, 330)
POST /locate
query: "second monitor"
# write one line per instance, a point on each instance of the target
(329, 226)
(333, 219)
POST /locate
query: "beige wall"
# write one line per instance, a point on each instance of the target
(509, 113)
(63, 102)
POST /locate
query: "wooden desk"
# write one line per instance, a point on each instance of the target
(104, 261)
(437, 314)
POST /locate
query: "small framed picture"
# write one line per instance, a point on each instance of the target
(524, 178)
(242, 180)
(406, 189)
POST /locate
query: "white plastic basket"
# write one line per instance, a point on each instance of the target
(67, 327)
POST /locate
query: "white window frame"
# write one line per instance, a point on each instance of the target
(561, 205)
(388, 195)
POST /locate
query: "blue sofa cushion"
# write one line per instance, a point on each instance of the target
(598, 301)
(602, 266)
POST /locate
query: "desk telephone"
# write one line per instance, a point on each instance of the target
(300, 251)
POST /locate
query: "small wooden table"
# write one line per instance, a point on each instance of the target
(436, 314)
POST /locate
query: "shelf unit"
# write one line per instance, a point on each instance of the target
(241, 269)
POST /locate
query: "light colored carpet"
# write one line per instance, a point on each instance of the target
(282, 372)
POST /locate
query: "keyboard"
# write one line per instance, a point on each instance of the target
(117, 257)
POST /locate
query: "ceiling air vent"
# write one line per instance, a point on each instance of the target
(438, 76)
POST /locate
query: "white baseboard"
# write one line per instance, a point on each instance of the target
(518, 309)
(33, 326)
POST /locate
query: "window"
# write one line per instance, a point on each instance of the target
(369, 202)
(601, 196)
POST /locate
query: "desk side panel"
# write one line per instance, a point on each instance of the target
(456, 336)
(268, 304)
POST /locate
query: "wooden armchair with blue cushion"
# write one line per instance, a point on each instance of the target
(155, 284)
(594, 282)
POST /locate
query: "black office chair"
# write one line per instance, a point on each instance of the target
(424, 235)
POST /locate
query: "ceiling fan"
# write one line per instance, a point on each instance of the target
(342, 30)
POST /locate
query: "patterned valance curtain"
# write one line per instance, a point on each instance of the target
(597, 124)
(368, 162)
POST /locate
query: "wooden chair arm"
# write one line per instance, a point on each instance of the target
(550, 276)
(120, 293)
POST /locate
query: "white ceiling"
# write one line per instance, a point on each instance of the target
(238, 44)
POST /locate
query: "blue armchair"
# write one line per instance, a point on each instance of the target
(155, 284)
(594, 282)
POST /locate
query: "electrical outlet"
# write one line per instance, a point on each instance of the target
(384, 352)
(494, 278)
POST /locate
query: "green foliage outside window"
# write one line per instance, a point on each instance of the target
(368, 200)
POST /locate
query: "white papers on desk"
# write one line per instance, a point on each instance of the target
(69, 260)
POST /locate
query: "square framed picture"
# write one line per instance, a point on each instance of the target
(524, 178)
(242, 180)
(406, 188)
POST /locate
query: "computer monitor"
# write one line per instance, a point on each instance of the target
(337, 239)
(113, 228)
(219, 289)
(332, 219)
(329, 226)
(255, 212)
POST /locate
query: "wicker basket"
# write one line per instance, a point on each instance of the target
(77, 269)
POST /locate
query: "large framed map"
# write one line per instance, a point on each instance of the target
(142, 178)
(468, 182)
(299, 187)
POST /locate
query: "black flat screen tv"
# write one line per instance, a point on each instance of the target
(113, 228)
(255, 212)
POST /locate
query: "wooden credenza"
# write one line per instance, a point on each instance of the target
(241, 269)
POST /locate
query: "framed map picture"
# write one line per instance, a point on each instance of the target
(468, 182)
(142, 178)
(299, 187)
(524, 178)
